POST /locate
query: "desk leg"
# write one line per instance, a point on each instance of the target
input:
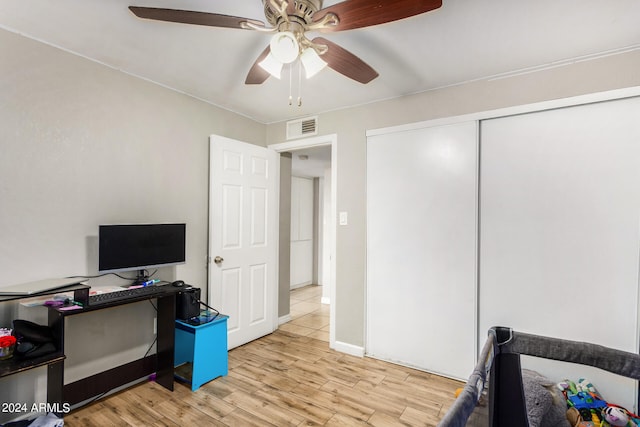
(55, 371)
(55, 378)
(166, 340)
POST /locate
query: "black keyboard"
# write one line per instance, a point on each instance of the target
(125, 294)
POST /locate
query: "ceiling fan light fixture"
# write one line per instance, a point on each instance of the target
(271, 65)
(312, 62)
(284, 47)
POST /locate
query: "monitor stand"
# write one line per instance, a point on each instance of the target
(141, 278)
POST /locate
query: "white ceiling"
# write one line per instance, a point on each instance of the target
(311, 162)
(462, 41)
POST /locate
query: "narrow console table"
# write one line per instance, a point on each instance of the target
(160, 363)
(59, 393)
(203, 345)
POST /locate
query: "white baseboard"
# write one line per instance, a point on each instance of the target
(284, 319)
(300, 285)
(325, 300)
(351, 349)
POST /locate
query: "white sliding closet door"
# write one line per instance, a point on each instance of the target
(559, 234)
(421, 248)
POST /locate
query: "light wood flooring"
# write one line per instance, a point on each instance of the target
(288, 378)
(309, 317)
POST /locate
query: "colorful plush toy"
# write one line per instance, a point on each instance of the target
(614, 416)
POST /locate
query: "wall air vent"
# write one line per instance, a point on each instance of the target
(307, 126)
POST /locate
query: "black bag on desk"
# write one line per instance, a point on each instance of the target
(188, 303)
(33, 340)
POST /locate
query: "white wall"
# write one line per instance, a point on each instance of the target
(82, 145)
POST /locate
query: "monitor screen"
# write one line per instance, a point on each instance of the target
(140, 246)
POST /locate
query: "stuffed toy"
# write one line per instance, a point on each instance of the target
(614, 416)
(546, 406)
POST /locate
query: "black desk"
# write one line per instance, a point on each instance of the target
(161, 363)
(13, 366)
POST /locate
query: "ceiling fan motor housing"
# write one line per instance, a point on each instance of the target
(303, 11)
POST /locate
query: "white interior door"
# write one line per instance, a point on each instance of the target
(243, 232)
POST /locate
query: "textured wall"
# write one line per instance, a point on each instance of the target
(82, 145)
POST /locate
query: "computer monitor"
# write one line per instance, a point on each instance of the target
(138, 247)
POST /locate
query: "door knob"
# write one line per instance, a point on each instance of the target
(218, 260)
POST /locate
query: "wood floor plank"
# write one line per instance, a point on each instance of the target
(414, 417)
(267, 355)
(417, 397)
(335, 402)
(248, 356)
(136, 413)
(182, 413)
(165, 422)
(381, 419)
(385, 368)
(335, 371)
(219, 388)
(103, 417)
(297, 329)
(151, 395)
(240, 418)
(302, 374)
(343, 420)
(263, 410)
(264, 376)
(361, 372)
(309, 410)
(306, 354)
(235, 381)
(207, 403)
(374, 400)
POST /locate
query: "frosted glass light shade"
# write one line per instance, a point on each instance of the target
(312, 62)
(271, 65)
(284, 47)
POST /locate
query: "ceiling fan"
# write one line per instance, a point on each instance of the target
(291, 19)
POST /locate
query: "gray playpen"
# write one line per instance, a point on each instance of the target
(493, 395)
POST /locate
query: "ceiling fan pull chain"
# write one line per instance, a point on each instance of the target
(299, 84)
(290, 78)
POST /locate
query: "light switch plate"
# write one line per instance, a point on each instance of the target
(343, 218)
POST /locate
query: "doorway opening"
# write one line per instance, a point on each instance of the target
(309, 255)
(312, 237)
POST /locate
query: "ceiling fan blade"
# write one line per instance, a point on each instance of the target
(365, 13)
(257, 75)
(345, 62)
(192, 17)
